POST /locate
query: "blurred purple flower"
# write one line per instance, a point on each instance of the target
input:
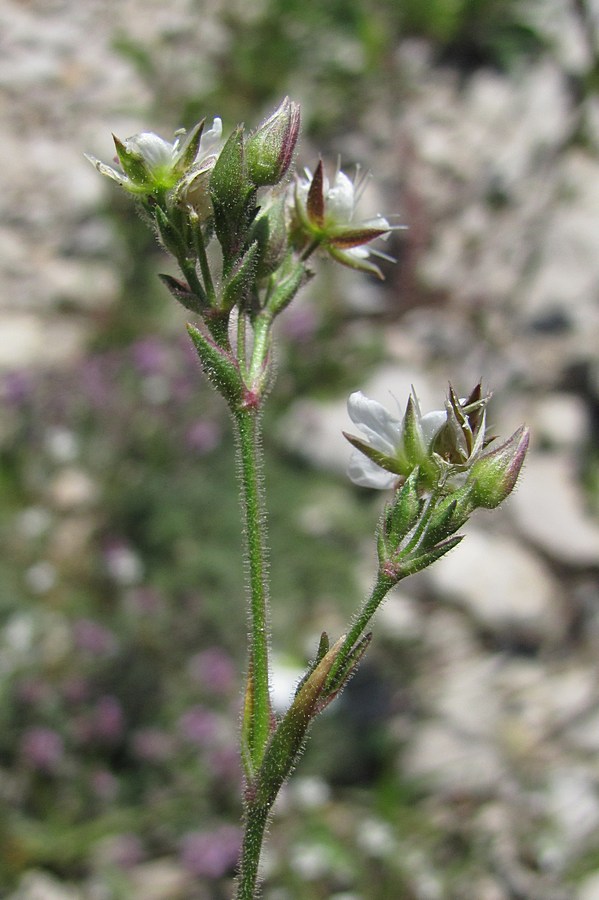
(225, 765)
(203, 436)
(95, 377)
(150, 356)
(17, 387)
(144, 601)
(94, 638)
(152, 745)
(34, 691)
(213, 670)
(75, 689)
(125, 851)
(42, 748)
(104, 785)
(211, 854)
(108, 719)
(299, 324)
(199, 726)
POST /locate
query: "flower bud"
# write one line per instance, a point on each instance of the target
(270, 148)
(494, 474)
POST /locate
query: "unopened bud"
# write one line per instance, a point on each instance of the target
(270, 148)
(494, 474)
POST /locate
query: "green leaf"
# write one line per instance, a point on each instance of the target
(219, 367)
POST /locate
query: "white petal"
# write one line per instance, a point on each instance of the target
(155, 150)
(340, 198)
(212, 138)
(375, 422)
(431, 424)
(365, 473)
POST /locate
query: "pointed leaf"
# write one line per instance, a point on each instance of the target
(181, 292)
(219, 367)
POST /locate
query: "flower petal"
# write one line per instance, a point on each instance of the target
(380, 427)
(340, 199)
(431, 423)
(363, 472)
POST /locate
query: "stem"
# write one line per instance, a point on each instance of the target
(200, 248)
(257, 724)
(255, 825)
(383, 585)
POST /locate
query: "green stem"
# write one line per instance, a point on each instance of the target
(255, 824)
(258, 711)
(200, 248)
(383, 585)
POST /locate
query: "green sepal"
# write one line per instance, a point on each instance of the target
(170, 236)
(441, 524)
(413, 443)
(241, 279)
(389, 463)
(450, 514)
(133, 164)
(219, 367)
(189, 149)
(290, 279)
(404, 510)
(359, 263)
(412, 564)
(232, 196)
(269, 229)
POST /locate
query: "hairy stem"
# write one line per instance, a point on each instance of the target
(383, 585)
(255, 824)
(256, 726)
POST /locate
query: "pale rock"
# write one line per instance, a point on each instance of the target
(71, 488)
(540, 700)
(28, 341)
(161, 879)
(572, 802)
(588, 889)
(504, 587)
(40, 886)
(464, 696)
(549, 509)
(584, 733)
(399, 618)
(560, 420)
(450, 762)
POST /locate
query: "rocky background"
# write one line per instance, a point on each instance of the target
(476, 772)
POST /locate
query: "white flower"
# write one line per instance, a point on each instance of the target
(149, 163)
(393, 447)
(323, 215)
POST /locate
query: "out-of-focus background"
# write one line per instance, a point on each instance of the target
(463, 761)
